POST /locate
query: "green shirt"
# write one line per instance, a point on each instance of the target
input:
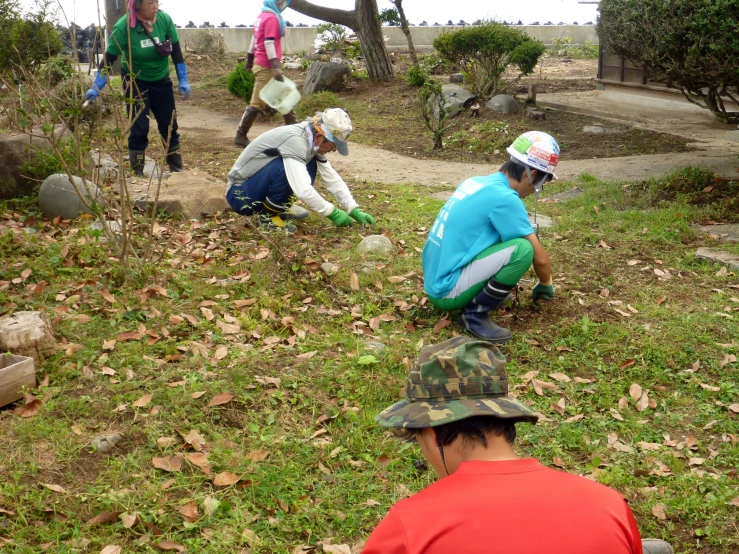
(147, 64)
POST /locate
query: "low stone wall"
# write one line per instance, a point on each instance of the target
(302, 39)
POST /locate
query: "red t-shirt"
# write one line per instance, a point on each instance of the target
(266, 26)
(511, 507)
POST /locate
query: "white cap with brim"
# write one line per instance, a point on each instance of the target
(337, 127)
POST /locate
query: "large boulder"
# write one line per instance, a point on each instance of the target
(15, 150)
(188, 194)
(58, 196)
(325, 76)
(503, 103)
(460, 93)
(27, 334)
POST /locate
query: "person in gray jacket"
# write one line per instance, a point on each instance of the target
(283, 162)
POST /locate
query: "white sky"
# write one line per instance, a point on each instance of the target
(84, 12)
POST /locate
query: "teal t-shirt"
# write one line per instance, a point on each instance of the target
(147, 64)
(483, 211)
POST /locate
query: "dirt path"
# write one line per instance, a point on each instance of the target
(389, 167)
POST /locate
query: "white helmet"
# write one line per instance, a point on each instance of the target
(536, 150)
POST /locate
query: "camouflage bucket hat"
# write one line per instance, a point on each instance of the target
(454, 380)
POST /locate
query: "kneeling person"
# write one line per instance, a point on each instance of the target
(482, 242)
(283, 163)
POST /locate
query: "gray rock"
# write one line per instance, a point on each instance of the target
(727, 232)
(718, 256)
(329, 269)
(452, 105)
(536, 115)
(291, 65)
(376, 346)
(312, 57)
(58, 197)
(98, 226)
(325, 76)
(503, 103)
(375, 245)
(189, 194)
(544, 221)
(456, 78)
(15, 150)
(460, 93)
(152, 170)
(104, 167)
(105, 443)
(566, 195)
(593, 130)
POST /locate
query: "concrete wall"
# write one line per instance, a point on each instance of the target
(302, 39)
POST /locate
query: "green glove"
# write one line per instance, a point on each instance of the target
(340, 218)
(362, 217)
(542, 291)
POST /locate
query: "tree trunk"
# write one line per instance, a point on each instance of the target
(406, 31)
(114, 10)
(363, 20)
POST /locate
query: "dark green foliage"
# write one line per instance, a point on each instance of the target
(434, 64)
(693, 42)
(240, 83)
(417, 76)
(332, 35)
(317, 102)
(55, 70)
(46, 162)
(27, 40)
(390, 16)
(484, 52)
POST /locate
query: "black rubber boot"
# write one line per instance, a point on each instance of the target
(247, 120)
(274, 217)
(290, 118)
(137, 159)
(174, 160)
(475, 316)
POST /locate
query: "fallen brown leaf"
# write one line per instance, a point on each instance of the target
(200, 460)
(258, 455)
(354, 281)
(195, 439)
(168, 463)
(143, 401)
(441, 324)
(635, 391)
(220, 398)
(561, 377)
(105, 517)
(128, 335)
(189, 511)
(128, 520)
(111, 549)
(658, 511)
(643, 402)
(225, 479)
(627, 364)
(169, 545)
(55, 488)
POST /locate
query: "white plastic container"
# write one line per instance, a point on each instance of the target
(282, 96)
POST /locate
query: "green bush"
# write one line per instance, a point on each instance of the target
(694, 43)
(417, 76)
(353, 51)
(332, 35)
(240, 83)
(563, 47)
(484, 52)
(26, 40)
(433, 64)
(55, 70)
(45, 162)
(317, 102)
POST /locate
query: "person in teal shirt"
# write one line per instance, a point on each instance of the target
(482, 242)
(148, 37)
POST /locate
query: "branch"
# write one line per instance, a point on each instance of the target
(332, 15)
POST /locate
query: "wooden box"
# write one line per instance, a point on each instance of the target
(15, 373)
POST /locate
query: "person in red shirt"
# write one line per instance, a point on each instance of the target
(487, 499)
(263, 58)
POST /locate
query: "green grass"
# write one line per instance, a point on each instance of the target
(326, 456)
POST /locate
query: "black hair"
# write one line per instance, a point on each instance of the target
(515, 169)
(472, 430)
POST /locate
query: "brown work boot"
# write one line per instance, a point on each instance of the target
(290, 118)
(250, 114)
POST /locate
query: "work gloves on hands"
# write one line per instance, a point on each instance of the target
(184, 86)
(361, 217)
(543, 291)
(340, 218)
(98, 85)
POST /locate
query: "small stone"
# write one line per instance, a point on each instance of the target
(593, 130)
(456, 78)
(98, 226)
(375, 244)
(376, 346)
(105, 443)
(537, 115)
(329, 269)
(503, 103)
(291, 65)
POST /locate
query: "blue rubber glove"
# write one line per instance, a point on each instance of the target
(97, 86)
(184, 86)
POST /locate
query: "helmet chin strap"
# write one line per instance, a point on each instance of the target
(536, 198)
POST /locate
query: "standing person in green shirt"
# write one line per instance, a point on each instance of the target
(153, 39)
